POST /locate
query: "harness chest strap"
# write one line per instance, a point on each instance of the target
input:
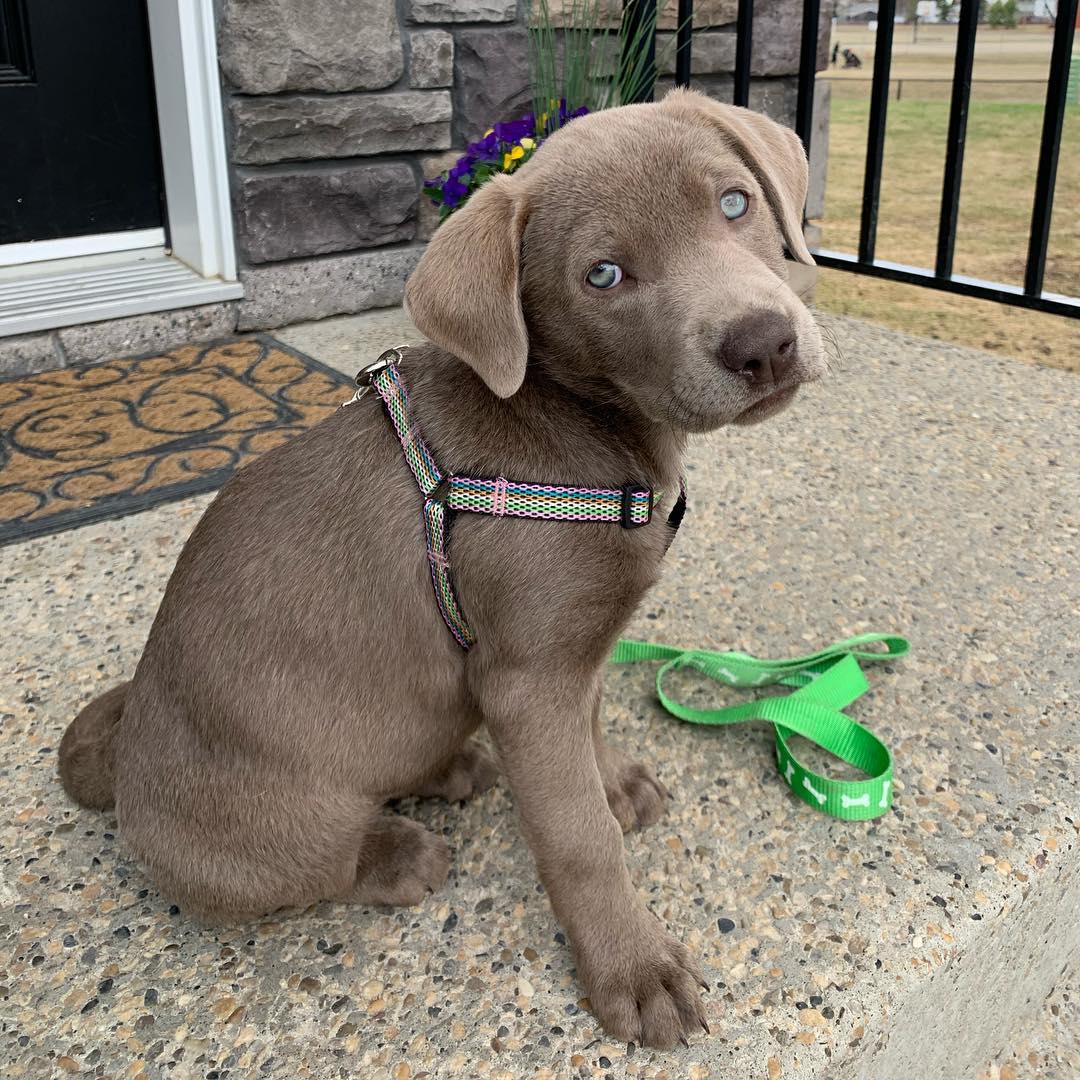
(630, 506)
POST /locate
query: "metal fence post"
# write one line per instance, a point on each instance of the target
(1053, 117)
(636, 15)
(954, 145)
(744, 39)
(875, 142)
(684, 34)
(808, 46)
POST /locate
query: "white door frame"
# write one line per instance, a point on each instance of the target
(183, 40)
(201, 253)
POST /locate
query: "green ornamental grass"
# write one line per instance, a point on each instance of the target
(593, 61)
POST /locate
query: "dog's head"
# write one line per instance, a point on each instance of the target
(637, 258)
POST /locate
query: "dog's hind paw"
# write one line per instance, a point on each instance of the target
(400, 863)
(634, 794)
(468, 772)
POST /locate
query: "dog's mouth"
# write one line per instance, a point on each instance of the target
(767, 406)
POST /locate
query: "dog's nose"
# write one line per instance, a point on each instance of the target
(760, 346)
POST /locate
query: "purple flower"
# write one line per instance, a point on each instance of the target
(565, 113)
(514, 130)
(492, 152)
(486, 149)
(453, 192)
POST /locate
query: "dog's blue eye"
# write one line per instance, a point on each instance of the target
(604, 275)
(734, 203)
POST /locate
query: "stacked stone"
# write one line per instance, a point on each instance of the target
(334, 111)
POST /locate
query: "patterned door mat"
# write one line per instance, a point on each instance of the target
(87, 443)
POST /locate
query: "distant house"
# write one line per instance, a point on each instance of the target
(856, 11)
(1037, 10)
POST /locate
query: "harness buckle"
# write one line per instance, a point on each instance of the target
(629, 490)
(365, 375)
(391, 356)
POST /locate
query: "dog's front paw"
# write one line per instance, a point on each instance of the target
(647, 990)
(634, 794)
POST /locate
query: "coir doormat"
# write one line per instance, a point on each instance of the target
(87, 443)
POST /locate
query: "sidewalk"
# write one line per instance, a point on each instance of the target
(923, 489)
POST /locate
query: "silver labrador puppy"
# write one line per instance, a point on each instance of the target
(624, 289)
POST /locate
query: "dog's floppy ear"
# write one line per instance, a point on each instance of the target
(772, 152)
(465, 293)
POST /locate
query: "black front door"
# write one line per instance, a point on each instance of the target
(78, 123)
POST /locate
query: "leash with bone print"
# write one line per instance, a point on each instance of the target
(826, 682)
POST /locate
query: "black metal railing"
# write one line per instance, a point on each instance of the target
(941, 276)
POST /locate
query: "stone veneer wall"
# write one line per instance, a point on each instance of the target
(331, 106)
(335, 112)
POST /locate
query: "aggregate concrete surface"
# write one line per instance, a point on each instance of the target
(923, 489)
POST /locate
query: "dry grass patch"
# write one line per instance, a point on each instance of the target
(1025, 335)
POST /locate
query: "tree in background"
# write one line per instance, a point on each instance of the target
(945, 9)
(1003, 14)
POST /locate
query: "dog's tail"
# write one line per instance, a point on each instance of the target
(86, 750)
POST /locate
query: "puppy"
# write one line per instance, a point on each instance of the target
(584, 315)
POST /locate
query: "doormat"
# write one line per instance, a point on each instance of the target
(87, 443)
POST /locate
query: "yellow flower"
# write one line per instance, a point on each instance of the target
(512, 156)
(488, 132)
(528, 143)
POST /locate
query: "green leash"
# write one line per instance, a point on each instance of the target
(827, 682)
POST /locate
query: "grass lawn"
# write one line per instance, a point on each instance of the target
(996, 198)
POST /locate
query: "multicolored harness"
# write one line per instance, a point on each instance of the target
(629, 506)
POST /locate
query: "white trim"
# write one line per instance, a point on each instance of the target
(184, 47)
(43, 271)
(77, 292)
(68, 247)
(202, 270)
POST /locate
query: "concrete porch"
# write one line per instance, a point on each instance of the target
(924, 489)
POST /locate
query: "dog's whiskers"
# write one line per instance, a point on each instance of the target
(835, 359)
(669, 401)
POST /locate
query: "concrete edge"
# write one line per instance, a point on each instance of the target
(968, 1011)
